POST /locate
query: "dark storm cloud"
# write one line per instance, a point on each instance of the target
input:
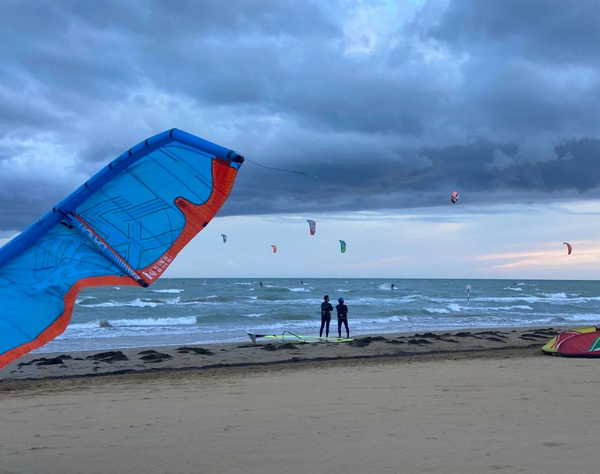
(534, 30)
(532, 67)
(483, 172)
(499, 100)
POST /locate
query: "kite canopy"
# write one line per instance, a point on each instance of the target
(312, 226)
(343, 246)
(583, 342)
(454, 197)
(569, 247)
(224, 237)
(274, 248)
(124, 226)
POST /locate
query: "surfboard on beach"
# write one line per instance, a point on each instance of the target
(290, 336)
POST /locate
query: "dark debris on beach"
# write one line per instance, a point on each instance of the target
(276, 347)
(195, 350)
(152, 356)
(58, 360)
(365, 341)
(110, 356)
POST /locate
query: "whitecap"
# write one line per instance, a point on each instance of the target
(582, 317)
(437, 310)
(117, 323)
(560, 295)
(138, 303)
(502, 308)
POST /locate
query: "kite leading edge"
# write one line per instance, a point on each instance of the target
(124, 226)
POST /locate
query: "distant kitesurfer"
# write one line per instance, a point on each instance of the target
(260, 283)
(326, 310)
(468, 292)
(342, 314)
(393, 287)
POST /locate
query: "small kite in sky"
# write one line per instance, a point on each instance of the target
(569, 247)
(454, 197)
(312, 226)
(224, 237)
(274, 248)
(343, 246)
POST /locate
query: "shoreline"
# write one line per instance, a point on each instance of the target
(242, 356)
(355, 334)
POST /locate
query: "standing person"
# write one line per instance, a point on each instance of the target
(326, 310)
(468, 293)
(342, 314)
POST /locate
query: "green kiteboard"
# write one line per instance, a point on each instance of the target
(288, 336)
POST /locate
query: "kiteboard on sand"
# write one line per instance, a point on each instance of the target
(583, 342)
(288, 336)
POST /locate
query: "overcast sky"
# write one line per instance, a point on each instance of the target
(384, 106)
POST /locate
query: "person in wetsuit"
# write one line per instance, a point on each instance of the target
(342, 314)
(326, 310)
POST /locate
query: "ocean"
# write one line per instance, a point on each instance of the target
(197, 311)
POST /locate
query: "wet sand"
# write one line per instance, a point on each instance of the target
(85, 364)
(508, 411)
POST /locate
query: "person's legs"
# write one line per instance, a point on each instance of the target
(339, 327)
(345, 321)
(327, 327)
(322, 326)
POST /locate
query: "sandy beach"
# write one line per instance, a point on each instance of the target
(463, 411)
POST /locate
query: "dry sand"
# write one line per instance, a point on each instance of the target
(507, 411)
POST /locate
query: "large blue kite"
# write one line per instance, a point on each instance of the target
(124, 226)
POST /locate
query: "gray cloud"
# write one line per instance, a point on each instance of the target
(535, 30)
(355, 183)
(496, 100)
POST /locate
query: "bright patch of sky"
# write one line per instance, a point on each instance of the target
(373, 25)
(513, 241)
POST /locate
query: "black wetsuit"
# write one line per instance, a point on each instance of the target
(326, 310)
(342, 313)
